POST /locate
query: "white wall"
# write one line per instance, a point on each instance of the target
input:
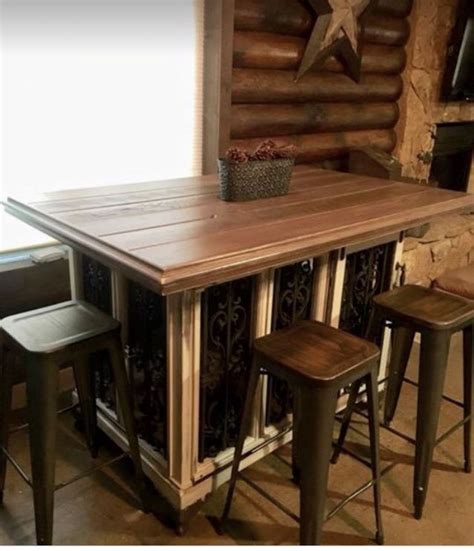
(96, 92)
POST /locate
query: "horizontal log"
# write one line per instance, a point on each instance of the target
(252, 121)
(291, 17)
(386, 30)
(395, 8)
(258, 50)
(278, 16)
(319, 147)
(267, 86)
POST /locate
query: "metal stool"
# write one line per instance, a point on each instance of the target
(317, 361)
(45, 339)
(436, 315)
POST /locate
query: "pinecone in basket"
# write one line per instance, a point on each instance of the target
(265, 151)
(237, 155)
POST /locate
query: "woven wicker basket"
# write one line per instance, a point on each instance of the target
(254, 179)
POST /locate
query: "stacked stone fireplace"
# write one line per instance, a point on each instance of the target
(449, 242)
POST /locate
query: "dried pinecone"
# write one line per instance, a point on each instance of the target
(265, 151)
(237, 155)
(286, 152)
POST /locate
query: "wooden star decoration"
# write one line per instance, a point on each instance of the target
(336, 33)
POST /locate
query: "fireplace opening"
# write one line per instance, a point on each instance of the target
(453, 155)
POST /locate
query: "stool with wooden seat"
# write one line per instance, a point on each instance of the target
(436, 315)
(316, 361)
(46, 339)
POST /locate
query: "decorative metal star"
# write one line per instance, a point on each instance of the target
(336, 33)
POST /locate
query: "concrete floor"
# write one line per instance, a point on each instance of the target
(102, 510)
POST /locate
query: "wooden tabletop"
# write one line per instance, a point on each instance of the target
(176, 235)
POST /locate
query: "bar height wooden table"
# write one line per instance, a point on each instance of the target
(193, 280)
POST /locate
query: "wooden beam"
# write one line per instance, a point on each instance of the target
(268, 86)
(290, 17)
(252, 121)
(218, 46)
(259, 50)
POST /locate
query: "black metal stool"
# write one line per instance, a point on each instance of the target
(317, 361)
(45, 339)
(436, 315)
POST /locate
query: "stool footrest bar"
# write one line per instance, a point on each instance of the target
(16, 466)
(333, 512)
(26, 425)
(454, 428)
(357, 492)
(89, 471)
(269, 497)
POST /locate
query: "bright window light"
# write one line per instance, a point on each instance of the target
(97, 92)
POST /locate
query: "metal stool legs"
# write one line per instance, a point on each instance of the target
(316, 427)
(371, 383)
(346, 420)
(433, 364)
(373, 406)
(85, 386)
(244, 430)
(124, 395)
(295, 446)
(401, 349)
(6, 383)
(42, 380)
(468, 351)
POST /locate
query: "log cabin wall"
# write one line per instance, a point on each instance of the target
(325, 113)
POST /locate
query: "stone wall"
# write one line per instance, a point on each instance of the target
(450, 241)
(448, 244)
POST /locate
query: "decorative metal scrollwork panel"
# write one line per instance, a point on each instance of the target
(292, 299)
(147, 353)
(367, 274)
(97, 289)
(226, 334)
(97, 284)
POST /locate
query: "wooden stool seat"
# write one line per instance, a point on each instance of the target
(50, 329)
(425, 308)
(46, 339)
(316, 352)
(317, 361)
(458, 282)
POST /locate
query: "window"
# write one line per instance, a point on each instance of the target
(97, 92)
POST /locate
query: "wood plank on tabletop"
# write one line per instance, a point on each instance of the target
(130, 202)
(133, 217)
(238, 219)
(105, 190)
(228, 243)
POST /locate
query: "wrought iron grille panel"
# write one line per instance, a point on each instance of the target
(97, 284)
(368, 273)
(97, 289)
(292, 298)
(147, 351)
(226, 334)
